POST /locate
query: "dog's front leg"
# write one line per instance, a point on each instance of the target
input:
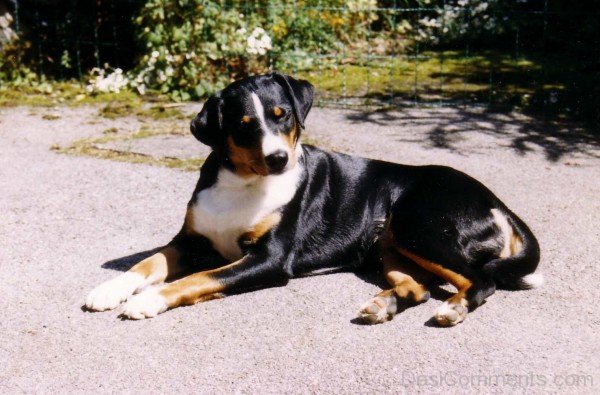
(152, 270)
(249, 272)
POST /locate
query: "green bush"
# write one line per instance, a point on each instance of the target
(14, 68)
(195, 47)
(191, 47)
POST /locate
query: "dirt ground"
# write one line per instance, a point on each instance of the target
(84, 197)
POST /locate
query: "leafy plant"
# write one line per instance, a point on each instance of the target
(195, 47)
(12, 68)
(192, 47)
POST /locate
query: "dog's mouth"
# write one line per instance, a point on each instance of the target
(260, 170)
(264, 171)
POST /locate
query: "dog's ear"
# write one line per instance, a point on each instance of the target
(299, 93)
(207, 125)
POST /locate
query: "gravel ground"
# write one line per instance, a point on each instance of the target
(68, 223)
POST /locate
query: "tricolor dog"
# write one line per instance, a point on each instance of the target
(267, 209)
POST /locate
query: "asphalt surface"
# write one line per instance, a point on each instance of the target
(68, 223)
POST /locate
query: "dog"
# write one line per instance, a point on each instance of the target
(267, 209)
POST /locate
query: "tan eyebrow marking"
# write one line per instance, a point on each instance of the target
(246, 119)
(277, 111)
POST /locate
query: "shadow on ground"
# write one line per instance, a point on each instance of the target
(125, 263)
(456, 125)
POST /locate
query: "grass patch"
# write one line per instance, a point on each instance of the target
(50, 117)
(92, 147)
(402, 75)
(89, 149)
(166, 111)
(71, 93)
(557, 87)
(117, 109)
(114, 105)
(110, 131)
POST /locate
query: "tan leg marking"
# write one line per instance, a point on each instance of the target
(261, 228)
(152, 270)
(186, 291)
(195, 288)
(404, 286)
(385, 305)
(159, 266)
(397, 273)
(461, 283)
(455, 309)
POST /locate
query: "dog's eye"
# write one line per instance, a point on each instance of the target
(246, 119)
(279, 112)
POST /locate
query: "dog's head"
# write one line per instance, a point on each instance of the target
(255, 123)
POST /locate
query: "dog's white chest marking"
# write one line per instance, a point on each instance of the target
(233, 205)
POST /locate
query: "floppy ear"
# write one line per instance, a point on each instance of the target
(300, 94)
(207, 125)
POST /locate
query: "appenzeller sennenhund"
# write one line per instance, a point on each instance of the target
(267, 209)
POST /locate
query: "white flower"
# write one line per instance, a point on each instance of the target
(155, 54)
(481, 7)
(429, 22)
(101, 82)
(259, 42)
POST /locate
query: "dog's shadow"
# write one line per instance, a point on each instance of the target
(125, 263)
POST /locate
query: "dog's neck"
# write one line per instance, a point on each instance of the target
(224, 211)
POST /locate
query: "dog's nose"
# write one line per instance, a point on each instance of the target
(276, 161)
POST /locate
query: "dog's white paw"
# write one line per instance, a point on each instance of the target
(449, 314)
(111, 293)
(378, 310)
(147, 304)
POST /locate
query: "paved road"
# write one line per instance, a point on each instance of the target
(67, 223)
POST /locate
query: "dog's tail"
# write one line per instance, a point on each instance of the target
(515, 268)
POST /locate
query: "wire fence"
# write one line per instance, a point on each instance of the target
(71, 37)
(536, 53)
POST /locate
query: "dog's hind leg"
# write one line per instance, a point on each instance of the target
(472, 289)
(405, 291)
(152, 270)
